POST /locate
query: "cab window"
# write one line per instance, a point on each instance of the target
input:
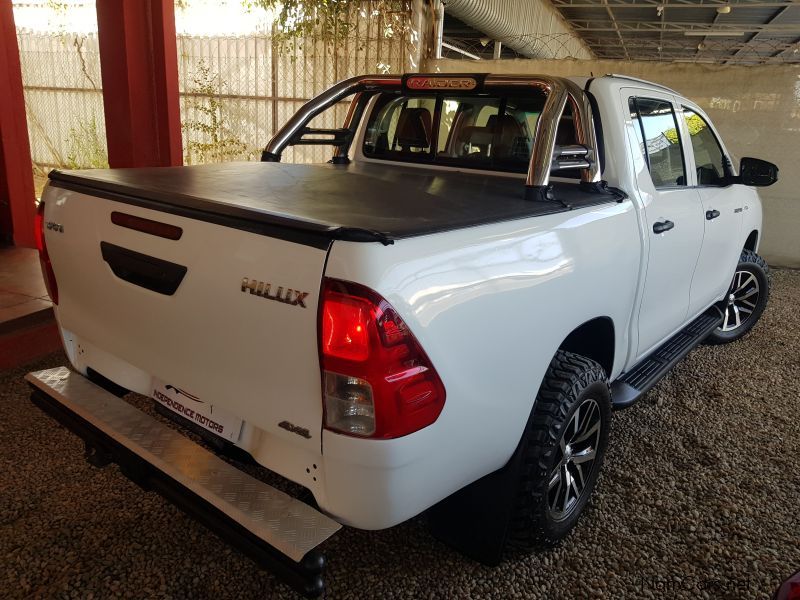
(709, 159)
(403, 127)
(482, 132)
(659, 140)
(467, 128)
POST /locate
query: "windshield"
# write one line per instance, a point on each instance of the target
(482, 132)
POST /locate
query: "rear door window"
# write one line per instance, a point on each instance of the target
(660, 140)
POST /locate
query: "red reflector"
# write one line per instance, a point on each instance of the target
(44, 259)
(164, 230)
(38, 228)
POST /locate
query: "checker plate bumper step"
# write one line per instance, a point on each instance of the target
(279, 532)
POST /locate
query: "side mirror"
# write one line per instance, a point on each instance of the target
(754, 171)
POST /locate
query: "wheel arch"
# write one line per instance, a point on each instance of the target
(593, 339)
(752, 241)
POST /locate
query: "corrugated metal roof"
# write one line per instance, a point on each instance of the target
(751, 32)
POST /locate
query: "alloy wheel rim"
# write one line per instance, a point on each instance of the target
(577, 450)
(742, 300)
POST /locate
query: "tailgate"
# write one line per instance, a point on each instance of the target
(226, 315)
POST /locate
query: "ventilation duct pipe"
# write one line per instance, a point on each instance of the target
(529, 27)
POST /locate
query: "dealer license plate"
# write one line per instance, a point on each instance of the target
(197, 410)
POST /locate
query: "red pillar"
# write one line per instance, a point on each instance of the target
(139, 65)
(17, 208)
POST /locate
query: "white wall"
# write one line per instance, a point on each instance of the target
(756, 109)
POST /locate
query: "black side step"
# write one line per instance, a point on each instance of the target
(633, 384)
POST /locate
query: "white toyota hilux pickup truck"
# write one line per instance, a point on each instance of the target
(440, 319)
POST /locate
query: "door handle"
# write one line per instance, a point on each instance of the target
(662, 226)
(711, 214)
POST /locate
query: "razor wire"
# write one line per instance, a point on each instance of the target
(667, 48)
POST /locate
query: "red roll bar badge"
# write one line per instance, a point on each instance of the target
(441, 83)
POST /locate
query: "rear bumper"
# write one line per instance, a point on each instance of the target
(279, 532)
(363, 483)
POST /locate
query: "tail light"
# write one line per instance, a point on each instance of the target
(378, 382)
(44, 258)
(789, 589)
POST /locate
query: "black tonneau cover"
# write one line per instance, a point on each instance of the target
(359, 201)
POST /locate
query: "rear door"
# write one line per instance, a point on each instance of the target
(239, 330)
(673, 214)
(723, 203)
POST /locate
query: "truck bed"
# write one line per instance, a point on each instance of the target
(313, 204)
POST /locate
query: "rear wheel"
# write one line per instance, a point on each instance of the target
(745, 301)
(564, 445)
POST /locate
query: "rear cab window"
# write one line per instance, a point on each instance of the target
(481, 131)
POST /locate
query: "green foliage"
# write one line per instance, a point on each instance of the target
(215, 143)
(330, 20)
(303, 18)
(86, 148)
(57, 7)
(695, 124)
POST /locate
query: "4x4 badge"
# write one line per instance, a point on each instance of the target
(301, 431)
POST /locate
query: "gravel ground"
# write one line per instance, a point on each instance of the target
(700, 497)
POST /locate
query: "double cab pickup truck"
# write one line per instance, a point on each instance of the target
(438, 320)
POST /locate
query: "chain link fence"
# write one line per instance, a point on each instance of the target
(63, 101)
(235, 91)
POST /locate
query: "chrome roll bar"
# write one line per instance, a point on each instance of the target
(320, 103)
(585, 130)
(559, 91)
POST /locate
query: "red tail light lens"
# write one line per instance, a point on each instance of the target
(44, 259)
(378, 382)
(345, 320)
(789, 589)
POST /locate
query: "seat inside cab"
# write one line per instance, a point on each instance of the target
(482, 132)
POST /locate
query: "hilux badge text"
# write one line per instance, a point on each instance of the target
(281, 294)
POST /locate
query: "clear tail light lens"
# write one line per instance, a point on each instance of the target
(378, 382)
(349, 405)
(44, 259)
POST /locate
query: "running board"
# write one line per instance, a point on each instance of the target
(633, 384)
(277, 531)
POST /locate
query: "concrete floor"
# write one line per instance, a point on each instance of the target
(27, 326)
(22, 289)
(698, 499)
